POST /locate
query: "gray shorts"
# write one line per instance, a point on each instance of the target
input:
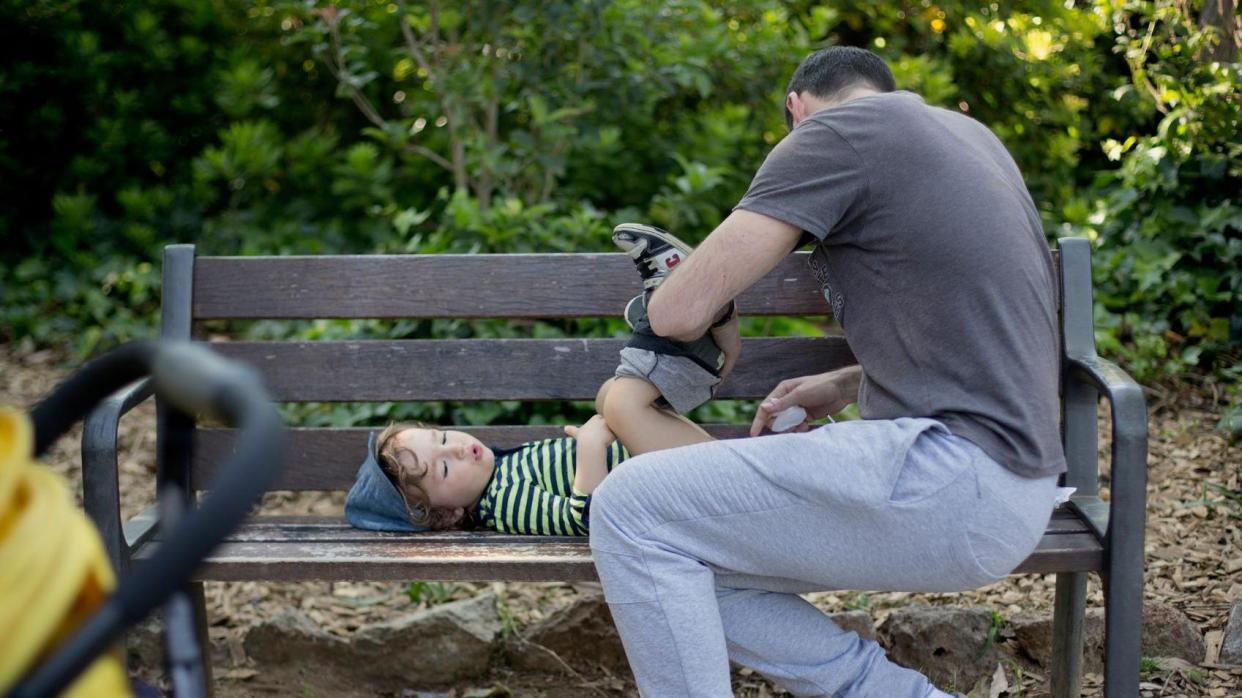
(684, 384)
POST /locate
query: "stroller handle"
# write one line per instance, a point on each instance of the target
(191, 379)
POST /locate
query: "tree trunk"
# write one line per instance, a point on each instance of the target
(1220, 14)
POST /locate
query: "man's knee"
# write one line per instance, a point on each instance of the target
(616, 504)
(605, 501)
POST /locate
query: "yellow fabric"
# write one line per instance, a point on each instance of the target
(53, 570)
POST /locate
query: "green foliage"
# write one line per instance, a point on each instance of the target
(994, 633)
(309, 127)
(1168, 219)
(431, 592)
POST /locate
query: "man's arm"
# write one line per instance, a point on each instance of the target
(739, 252)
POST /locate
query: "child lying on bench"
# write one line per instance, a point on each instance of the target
(419, 477)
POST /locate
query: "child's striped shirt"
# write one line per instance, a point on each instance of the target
(532, 489)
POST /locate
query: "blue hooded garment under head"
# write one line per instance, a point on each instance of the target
(373, 502)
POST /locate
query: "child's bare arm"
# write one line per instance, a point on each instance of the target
(593, 439)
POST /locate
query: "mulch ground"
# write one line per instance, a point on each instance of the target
(1194, 556)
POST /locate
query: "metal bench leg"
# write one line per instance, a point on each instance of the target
(199, 600)
(1067, 634)
(1123, 614)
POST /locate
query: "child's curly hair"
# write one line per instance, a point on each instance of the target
(405, 472)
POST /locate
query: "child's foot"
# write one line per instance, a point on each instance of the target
(655, 252)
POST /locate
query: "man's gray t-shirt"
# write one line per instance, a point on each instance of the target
(934, 260)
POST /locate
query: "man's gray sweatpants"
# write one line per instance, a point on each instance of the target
(702, 550)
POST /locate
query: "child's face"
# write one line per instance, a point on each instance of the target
(458, 465)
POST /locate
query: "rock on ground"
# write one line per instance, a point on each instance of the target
(444, 643)
(950, 645)
(1231, 647)
(580, 635)
(858, 621)
(1167, 632)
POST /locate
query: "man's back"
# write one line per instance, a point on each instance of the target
(935, 263)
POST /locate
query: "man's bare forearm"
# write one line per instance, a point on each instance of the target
(743, 248)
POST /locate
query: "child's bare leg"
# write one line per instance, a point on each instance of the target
(602, 396)
(629, 409)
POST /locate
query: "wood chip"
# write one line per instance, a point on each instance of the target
(1213, 640)
(1000, 684)
(237, 651)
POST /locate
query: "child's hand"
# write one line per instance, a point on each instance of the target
(595, 429)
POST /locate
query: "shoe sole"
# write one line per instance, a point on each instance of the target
(637, 245)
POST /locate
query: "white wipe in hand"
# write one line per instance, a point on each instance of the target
(788, 418)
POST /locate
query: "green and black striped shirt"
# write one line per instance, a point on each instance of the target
(532, 489)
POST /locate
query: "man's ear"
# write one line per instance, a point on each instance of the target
(796, 107)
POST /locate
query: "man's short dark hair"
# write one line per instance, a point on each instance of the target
(829, 72)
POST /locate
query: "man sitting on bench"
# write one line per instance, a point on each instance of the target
(931, 254)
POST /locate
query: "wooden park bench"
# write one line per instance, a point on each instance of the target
(1088, 534)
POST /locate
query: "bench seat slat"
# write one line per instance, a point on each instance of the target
(457, 286)
(277, 529)
(497, 369)
(298, 548)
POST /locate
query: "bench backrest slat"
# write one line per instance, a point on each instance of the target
(456, 286)
(496, 369)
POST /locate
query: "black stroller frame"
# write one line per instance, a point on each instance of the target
(186, 380)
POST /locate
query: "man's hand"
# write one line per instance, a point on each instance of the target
(820, 395)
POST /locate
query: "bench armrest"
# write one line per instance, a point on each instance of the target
(101, 495)
(1128, 506)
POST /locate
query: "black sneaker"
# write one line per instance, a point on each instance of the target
(655, 252)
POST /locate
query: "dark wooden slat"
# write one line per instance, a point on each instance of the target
(342, 532)
(497, 369)
(1063, 521)
(463, 286)
(439, 286)
(1066, 521)
(1073, 552)
(490, 557)
(540, 560)
(328, 459)
(334, 528)
(339, 531)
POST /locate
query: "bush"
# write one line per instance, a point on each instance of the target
(291, 127)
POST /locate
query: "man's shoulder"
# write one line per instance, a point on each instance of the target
(884, 110)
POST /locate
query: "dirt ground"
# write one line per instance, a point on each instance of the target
(1194, 558)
